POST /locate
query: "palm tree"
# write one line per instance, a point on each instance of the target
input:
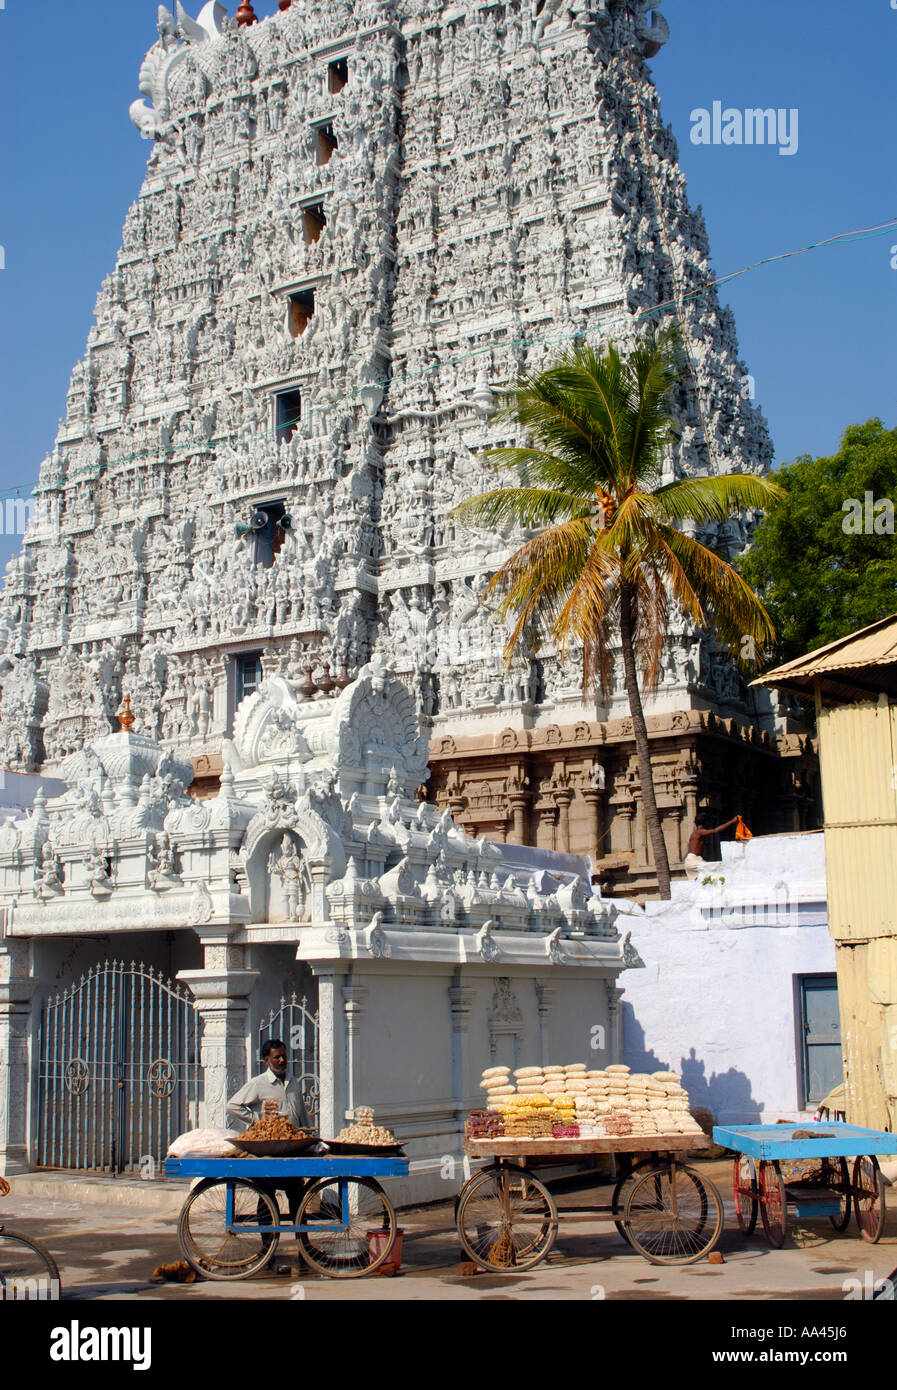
(606, 555)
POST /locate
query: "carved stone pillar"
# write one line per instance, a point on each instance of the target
(563, 796)
(331, 1051)
(615, 1021)
(17, 986)
(518, 800)
(592, 797)
(545, 996)
(461, 998)
(222, 991)
(627, 816)
(674, 815)
(354, 997)
(547, 811)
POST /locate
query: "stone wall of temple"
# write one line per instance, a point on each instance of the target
(575, 788)
(359, 221)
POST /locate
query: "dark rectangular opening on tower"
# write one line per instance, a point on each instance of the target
(268, 525)
(287, 412)
(249, 674)
(337, 75)
(314, 222)
(302, 306)
(326, 142)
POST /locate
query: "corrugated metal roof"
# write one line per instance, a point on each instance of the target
(871, 652)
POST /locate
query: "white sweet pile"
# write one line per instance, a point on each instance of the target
(608, 1102)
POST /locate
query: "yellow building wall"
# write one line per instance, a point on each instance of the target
(858, 763)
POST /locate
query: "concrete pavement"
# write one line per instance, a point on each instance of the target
(108, 1236)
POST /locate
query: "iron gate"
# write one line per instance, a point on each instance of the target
(119, 1073)
(297, 1026)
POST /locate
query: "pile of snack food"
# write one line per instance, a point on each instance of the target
(275, 1127)
(364, 1131)
(573, 1102)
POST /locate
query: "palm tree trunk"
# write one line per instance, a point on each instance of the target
(640, 732)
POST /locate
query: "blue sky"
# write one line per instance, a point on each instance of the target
(817, 331)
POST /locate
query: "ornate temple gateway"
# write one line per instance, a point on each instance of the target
(359, 221)
(313, 889)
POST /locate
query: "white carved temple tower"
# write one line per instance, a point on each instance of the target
(358, 221)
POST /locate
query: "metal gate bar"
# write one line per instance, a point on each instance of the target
(298, 1025)
(119, 1072)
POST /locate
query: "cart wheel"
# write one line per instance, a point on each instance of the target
(352, 1227)
(507, 1220)
(744, 1190)
(773, 1206)
(869, 1197)
(206, 1243)
(674, 1215)
(623, 1190)
(839, 1182)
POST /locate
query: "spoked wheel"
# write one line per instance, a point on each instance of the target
(773, 1207)
(506, 1219)
(869, 1197)
(839, 1182)
(674, 1215)
(27, 1270)
(623, 1190)
(744, 1190)
(208, 1245)
(352, 1227)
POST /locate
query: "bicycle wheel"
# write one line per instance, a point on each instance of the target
(506, 1220)
(207, 1244)
(743, 1189)
(623, 1190)
(869, 1197)
(773, 1203)
(27, 1270)
(674, 1216)
(351, 1227)
(839, 1182)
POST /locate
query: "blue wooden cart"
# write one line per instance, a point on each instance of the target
(230, 1223)
(824, 1185)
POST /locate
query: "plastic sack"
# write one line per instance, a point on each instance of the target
(204, 1143)
(741, 830)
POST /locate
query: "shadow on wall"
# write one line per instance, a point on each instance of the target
(727, 1095)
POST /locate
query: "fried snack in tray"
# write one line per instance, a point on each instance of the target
(365, 1134)
(276, 1127)
(485, 1124)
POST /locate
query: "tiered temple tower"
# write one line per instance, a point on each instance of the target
(359, 221)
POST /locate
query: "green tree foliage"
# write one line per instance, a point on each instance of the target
(824, 559)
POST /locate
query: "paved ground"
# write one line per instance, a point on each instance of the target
(109, 1240)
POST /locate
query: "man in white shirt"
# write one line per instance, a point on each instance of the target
(273, 1088)
(273, 1084)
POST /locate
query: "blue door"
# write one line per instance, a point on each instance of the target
(821, 1030)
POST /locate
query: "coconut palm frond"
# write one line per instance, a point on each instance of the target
(521, 506)
(535, 580)
(716, 498)
(730, 602)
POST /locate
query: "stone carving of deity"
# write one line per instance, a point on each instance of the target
(292, 871)
(48, 873)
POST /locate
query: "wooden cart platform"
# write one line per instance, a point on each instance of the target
(560, 1149)
(507, 1219)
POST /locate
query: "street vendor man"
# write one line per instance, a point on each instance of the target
(694, 859)
(273, 1092)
